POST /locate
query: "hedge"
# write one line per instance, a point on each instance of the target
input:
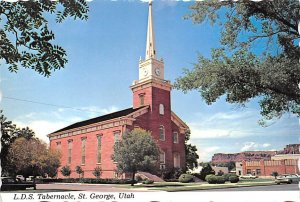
(88, 180)
(228, 175)
(213, 179)
(234, 179)
(186, 178)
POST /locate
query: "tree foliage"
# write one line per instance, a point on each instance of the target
(258, 57)
(78, 170)
(25, 38)
(32, 157)
(9, 133)
(191, 156)
(97, 172)
(66, 171)
(206, 170)
(137, 151)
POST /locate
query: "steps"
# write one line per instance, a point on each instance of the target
(150, 176)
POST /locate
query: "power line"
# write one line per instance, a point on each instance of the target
(48, 104)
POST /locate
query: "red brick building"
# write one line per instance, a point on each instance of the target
(266, 168)
(90, 143)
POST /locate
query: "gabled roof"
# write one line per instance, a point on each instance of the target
(106, 117)
(181, 124)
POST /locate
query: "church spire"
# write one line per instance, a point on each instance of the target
(150, 44)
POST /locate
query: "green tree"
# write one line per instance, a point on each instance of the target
(9, 133)
(66, 171)
(78, 170)
(97, 172)
(31, 157)
(275, 174)
(206, 170)
(237, 70)
(25, 37)
(137, 151)
(191, 156)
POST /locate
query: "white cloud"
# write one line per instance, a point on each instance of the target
(232, 124)
(205, 153)
(266, 145)
(41, 127)
(44, 123)
(253, 146)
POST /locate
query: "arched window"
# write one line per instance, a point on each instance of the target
(161, 109)
(175, 137)
(162, 157)
(142, 99)
(176, 160)
(162, 133)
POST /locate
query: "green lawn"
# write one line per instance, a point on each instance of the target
(177, 186)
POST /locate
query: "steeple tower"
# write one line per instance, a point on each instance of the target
(151, 68)
(150, 44)
(151, 88)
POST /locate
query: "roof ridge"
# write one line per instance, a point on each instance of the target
(101, 118)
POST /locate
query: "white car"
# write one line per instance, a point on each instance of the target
(287, 178)
(248, 176)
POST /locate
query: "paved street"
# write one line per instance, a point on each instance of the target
(281, 187)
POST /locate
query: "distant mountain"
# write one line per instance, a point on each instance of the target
(254, 155)
(247, 156)
(290, 149)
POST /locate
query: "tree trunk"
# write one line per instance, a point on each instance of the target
(132, 180)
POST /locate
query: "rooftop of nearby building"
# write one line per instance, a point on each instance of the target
(98, 119)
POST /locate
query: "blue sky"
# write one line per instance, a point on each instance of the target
(103, 55)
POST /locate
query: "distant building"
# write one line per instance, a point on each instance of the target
(239, 168)
(219, 168)
(285, 156)
(266, 168)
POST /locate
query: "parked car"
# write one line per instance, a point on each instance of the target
(248, 176)
(9, 183)
(287, 178)
(20, 177)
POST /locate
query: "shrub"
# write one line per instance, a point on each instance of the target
(275, 174)
(220, 173)
(97, 172)
(138, 178)
(228, 175)
(186, 178)
(78, 170)
(148, 181)
(234, 179)
(65, 171)
(206, 170)
(212, 179)
(173, 173)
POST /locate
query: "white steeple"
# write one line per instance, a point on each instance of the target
(151, 68)
(150, 44)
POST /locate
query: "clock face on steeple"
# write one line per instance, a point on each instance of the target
(145, 72)
(157, 71)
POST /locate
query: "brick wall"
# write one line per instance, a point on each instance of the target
(107, 165)
(268, 167)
